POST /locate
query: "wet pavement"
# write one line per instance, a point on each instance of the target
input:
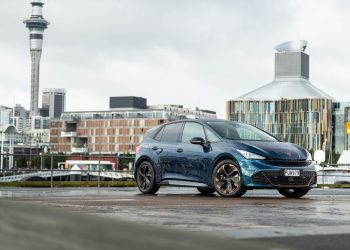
(258, 214)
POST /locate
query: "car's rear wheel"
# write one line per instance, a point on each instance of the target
(294, 192)
(227, 179)
(146, 179)
(206, 190)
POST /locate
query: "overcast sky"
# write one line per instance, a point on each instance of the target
(196, 53)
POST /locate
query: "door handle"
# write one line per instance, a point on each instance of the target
(180, 150)
(155, 148)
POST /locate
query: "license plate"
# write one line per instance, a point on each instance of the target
(291, 172)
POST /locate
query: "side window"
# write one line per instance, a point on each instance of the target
(211, 136)
(159, 134)
(191, 130)
(171, 132)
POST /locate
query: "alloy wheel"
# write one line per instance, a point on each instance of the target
(145, 179)
(227, 179)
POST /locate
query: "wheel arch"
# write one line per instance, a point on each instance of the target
(143, 159)
(221, 157)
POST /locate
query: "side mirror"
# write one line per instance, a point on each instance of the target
(319, 156)
(198, 141)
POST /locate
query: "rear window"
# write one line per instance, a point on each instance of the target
(171, 132)
(159, 134)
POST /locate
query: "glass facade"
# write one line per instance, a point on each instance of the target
(53, 102)
(306, 122)
(339, 118)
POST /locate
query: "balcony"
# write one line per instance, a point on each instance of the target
(79, 150)
(68, 134)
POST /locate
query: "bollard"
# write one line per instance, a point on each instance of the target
(323, 176)
(99, 171)
(51, 179)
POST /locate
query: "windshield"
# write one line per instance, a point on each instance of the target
(239, 131)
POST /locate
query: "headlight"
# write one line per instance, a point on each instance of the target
(251, 156)
(309, 157)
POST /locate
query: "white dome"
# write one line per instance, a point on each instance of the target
(288, 88)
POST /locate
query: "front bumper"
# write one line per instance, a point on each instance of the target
(276, 179)
(270, 174)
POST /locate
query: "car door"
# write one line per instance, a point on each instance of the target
(164, 149)
(194, 159)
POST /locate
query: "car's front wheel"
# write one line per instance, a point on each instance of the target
(294, 192)
(146, 179)
(227, 179)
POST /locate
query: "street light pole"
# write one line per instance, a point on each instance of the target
(41, 160)
(30, 151)
(2, 149)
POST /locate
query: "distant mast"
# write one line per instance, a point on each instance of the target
(36, 25)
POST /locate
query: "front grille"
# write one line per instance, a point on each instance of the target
(276, 178)
(286, 163)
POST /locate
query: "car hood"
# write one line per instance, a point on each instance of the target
(273, 150)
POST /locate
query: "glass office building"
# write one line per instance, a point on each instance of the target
(290, 107)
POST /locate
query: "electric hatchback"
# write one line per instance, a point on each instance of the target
(221, 156)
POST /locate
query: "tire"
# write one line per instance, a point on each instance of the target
(146, 178)
(206, 190)
(227, 179)
(294, 193)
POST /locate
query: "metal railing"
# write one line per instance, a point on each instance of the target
(51, 167)
(22, 167)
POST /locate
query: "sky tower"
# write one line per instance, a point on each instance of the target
(36, 25)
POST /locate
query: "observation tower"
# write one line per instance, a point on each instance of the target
(36, 25)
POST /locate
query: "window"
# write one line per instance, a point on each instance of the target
(159, 134)
(211, 137)
(191, 130)
(239, 131)
(171, 132)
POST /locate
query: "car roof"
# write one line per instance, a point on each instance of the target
(201, 120)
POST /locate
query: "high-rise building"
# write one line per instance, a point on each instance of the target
(5, 115)
(20, 117)
(118, 130)
(53, 102)
(290, 107)
(36, 25)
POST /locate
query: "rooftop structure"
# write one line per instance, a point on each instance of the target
(291, 76)
(292, 46)
(127, 102)
(290, 107)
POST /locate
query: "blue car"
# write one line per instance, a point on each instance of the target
(221, 156)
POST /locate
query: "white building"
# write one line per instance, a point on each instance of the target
(5, 115)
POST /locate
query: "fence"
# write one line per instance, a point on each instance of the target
(53, 167)
(333, 174)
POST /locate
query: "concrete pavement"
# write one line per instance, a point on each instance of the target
(263, 218)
